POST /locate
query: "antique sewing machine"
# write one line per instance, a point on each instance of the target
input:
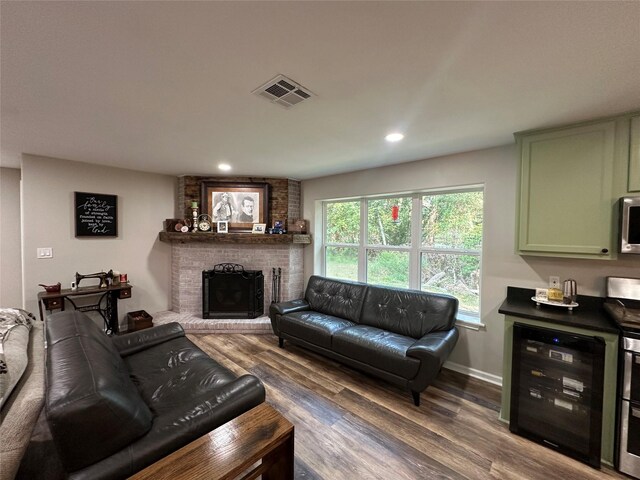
(103, 276)
(105, 298)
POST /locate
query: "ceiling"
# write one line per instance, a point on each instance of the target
(166, 86)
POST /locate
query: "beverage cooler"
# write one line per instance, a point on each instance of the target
(556, 390)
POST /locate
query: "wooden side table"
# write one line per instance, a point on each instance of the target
(233, 449)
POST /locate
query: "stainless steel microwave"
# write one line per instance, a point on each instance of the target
(630, 225)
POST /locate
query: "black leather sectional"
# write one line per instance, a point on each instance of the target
(401, 336)
(117, 404)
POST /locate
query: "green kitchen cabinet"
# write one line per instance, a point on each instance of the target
(634, 155)
(567, 191)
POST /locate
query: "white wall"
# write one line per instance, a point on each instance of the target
(10, 250)
(144, 201)
(496, 168)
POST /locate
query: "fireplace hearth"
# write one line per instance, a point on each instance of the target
(230, 291)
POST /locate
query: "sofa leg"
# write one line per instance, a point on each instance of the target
(281, 342)
(416, 398)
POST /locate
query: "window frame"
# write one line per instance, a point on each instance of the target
(415, 249)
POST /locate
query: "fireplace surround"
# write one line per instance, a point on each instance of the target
(190, 257)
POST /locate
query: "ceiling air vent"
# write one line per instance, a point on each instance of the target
(283, 91)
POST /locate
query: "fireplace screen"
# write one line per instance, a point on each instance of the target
(230, 291)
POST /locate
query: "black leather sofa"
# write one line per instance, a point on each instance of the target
(401, 336)
(117, 404)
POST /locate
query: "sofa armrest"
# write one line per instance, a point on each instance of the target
(178, 427)
(134, 342)
(278, 309)
(434, 345)
(432, 350)
(283, 308)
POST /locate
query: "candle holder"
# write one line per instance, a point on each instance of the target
(194, 211)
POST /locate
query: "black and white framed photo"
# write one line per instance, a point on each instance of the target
(259, 228)
(240, 204)
(223, 227)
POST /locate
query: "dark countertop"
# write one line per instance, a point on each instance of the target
(590, 313)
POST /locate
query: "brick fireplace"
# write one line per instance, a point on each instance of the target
(194, 252)
(190, 259)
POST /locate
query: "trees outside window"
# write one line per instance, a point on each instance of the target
(342, 239)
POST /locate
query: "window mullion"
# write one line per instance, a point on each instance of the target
(362, 250)
(450, 251)
(323, 260)
(416, 241)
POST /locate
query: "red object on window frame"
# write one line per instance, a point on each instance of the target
(395, 210)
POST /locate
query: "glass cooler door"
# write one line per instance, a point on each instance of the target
(556, 390)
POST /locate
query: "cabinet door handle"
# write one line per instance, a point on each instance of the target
(605, 250)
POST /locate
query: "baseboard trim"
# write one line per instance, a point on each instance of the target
(472, 372)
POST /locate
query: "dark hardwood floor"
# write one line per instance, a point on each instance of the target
(352, 426)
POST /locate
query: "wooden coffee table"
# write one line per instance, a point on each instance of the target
(233, 449)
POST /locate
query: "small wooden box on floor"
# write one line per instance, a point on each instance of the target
(138, 320)
(233, 449)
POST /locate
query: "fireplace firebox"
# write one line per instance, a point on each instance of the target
(230, 291)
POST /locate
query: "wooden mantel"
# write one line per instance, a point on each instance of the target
(235, 238)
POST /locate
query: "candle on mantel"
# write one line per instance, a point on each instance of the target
(194, 204)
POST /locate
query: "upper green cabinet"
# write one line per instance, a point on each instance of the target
(566, 191)
(634, 155)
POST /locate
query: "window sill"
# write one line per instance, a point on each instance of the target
(467, 321)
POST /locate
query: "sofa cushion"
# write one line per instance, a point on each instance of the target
(167, 374)
(93, 408)
(378, 348)
(337, 298)
(314, 327)
(408, 312)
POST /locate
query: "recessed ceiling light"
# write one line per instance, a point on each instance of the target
(394, 137)
(225, 167)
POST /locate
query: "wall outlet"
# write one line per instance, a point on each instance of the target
(44, 252)
(554, 282)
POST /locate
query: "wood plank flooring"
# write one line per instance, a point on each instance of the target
(352, 426)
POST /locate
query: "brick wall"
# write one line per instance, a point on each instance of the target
(284, 195)
(295, 207)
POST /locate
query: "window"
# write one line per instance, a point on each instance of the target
(430, 241)
(389, 241)
(451, 234)
(342, 238)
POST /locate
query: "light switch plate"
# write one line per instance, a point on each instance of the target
(44, 252)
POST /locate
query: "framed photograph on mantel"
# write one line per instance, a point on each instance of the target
(259, 228)
(223, 227)
(239, 204)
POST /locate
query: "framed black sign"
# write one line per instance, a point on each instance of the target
(96, 215)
